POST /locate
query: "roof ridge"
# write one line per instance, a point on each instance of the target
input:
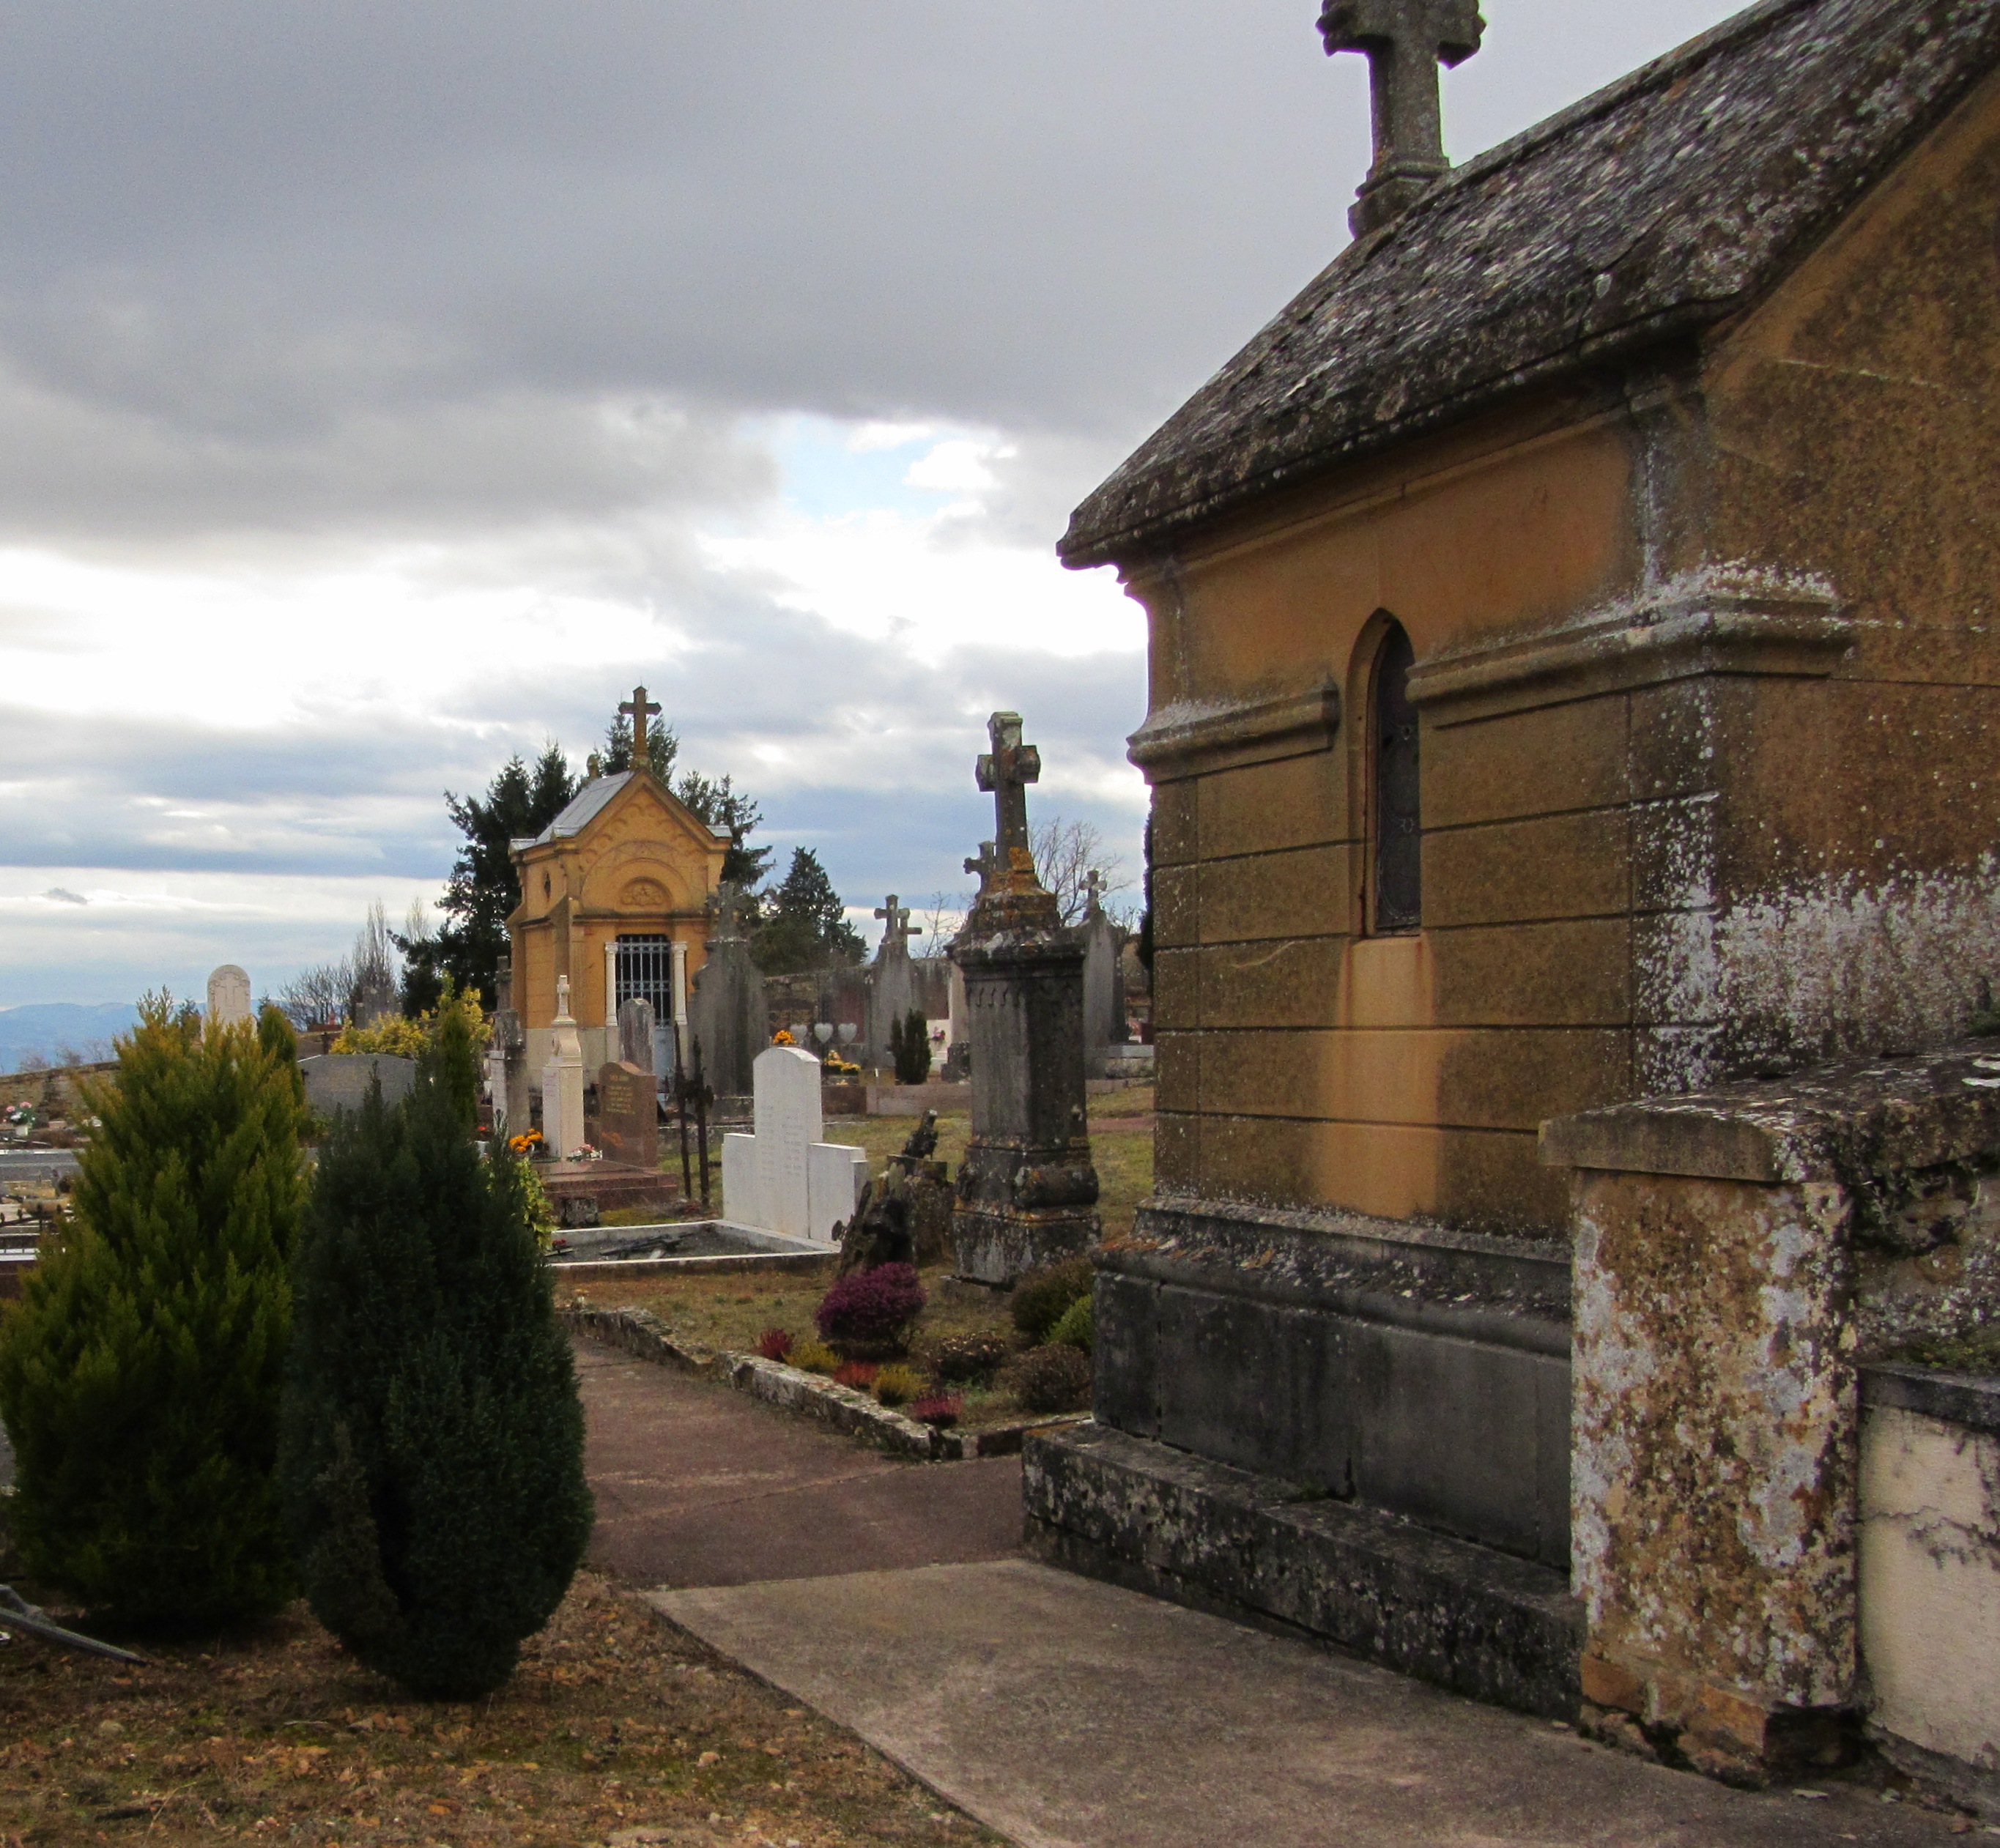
(1724, 36)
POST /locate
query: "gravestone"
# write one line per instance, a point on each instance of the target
(726, 1012)
(228, 995)
(628, 1114)
(507, 1060)
(562, 1082)
(338, 1081)
(1103, 984)
(638, 1032)
(782, 1177)
(891, 983)
(1027, 1191)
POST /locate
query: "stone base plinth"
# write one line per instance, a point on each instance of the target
(581, 1191)
(999, 1248)
(1159, 1520)
(1721, 1731)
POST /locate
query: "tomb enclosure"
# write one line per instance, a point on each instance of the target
(614, 897)
(783, 1177)
(1571, 683)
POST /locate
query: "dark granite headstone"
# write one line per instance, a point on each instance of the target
(628, 1115)
(726, 1013)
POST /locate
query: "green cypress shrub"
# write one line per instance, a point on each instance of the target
(453, 1054)
(141, 1373)
(433, 1449)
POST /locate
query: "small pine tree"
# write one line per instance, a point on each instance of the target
(140, 1375)
(432, 1451)
(910, 1047)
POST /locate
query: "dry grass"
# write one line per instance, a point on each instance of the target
(617, 1727)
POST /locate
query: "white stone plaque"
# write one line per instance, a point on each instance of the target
(835, 1174)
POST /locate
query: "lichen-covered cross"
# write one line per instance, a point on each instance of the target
(898, 920)
(1405, 40)
(985, 865)
(1004, 773)
(638, 709)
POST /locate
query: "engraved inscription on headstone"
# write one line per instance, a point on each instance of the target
(628, 1114)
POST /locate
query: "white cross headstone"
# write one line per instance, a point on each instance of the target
(562, 1082)
(228, 995)
(783, 1178)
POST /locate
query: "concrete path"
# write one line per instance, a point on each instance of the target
(1067, 1713)
(697, 1484)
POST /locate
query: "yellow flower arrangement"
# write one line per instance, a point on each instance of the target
(783, 1037)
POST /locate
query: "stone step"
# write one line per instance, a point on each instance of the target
(1142, 1514)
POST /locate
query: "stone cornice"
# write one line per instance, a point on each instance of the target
(1194, 736)
(1708, 621)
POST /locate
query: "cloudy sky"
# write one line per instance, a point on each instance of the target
(385, 385)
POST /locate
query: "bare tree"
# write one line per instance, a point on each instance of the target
(1067, 853)
(374, 957)
(943, 915)
(319, 996)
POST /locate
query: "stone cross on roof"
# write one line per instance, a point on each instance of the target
(1405, 40)
(639, 708)
(1004, 773)
(899, 925)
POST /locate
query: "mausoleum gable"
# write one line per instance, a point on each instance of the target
(1664, 203)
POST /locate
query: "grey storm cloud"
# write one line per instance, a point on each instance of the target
(276, 264)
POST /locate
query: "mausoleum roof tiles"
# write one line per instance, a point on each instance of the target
(588, 803)
(1655, 208)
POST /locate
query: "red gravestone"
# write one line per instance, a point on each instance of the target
(628, 1119)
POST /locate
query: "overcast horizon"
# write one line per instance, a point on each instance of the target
(386, 390)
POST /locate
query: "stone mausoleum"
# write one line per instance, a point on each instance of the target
(614, 895)
(1574, 679)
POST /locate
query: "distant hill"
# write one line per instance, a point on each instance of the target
(41, 1032)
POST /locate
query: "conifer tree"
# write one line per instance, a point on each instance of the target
(432, 1452)
(452, 1055)
(140, 1375)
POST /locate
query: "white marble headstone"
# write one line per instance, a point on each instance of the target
(786, 1080)
(783, 1178)
(229, 995)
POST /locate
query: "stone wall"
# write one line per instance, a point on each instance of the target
(1738, 1254)
(1930, 1576)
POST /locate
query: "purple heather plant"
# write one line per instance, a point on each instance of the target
(871, 1305)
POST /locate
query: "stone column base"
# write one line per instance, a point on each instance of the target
(1677, 1719)
(996, 1246)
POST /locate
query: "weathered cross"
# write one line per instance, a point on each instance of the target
(1093, 895)
(638, 708)
(1405, 41)
(1004, 773)
(900, 927)
(562, 991)
(728, 907)
(986, 865)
